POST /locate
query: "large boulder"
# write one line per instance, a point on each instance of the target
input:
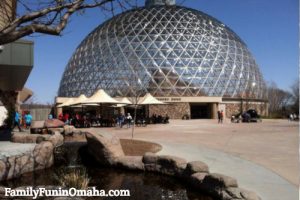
(104, 149)
(27, 138)
(169, 165)
(53, 123)
(61, 130)
(37, 124)
(43, 155)
(130, 162)
(56, 138)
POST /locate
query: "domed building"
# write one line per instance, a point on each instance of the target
(180, 55)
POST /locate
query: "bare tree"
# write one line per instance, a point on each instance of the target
(279, 100)
(295, 96)
(46, 16)
(137, 89)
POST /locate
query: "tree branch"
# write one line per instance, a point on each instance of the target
(52, 19)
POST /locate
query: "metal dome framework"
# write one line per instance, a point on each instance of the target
(164, 50)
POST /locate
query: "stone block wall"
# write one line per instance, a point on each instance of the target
(260, 107)
(232, 109)
(235, 108)
(41, 156)
(175, 111)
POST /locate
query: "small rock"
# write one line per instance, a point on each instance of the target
(2, 169)
(194, 167)
(2, 191)
(69, 130)
(149, 158)
(40, 139)
(171, 165)
(196, 179)
(215, 180)
(57, 139)
(249, 195)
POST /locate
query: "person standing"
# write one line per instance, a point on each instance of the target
(28, 119)
(129, 119)
(17, 121)
(219, 116)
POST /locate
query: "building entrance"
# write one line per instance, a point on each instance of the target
(200, 111)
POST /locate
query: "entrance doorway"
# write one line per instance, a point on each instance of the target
(200, 111)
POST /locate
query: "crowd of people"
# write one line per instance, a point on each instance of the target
(87, 120)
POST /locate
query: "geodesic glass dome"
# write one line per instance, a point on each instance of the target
(164, 50)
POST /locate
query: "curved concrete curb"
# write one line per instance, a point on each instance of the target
(108, 151)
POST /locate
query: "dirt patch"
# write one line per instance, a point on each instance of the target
(130, 147)
(138, 148)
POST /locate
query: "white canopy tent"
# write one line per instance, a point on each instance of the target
(148, 99)
(100, 97)
(123, 102)
(78, 102)
(67, 103)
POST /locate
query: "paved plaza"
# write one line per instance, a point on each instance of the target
(262, 156)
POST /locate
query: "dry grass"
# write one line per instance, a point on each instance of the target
(138, 148)
(73, 178)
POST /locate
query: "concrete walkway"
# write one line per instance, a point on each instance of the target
(268, 185)
(263, 157)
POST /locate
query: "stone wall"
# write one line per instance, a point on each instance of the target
(175, 111)
(232, 109)
(41, 157)
(235, 108)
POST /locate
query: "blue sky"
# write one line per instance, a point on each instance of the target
(268, 27)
